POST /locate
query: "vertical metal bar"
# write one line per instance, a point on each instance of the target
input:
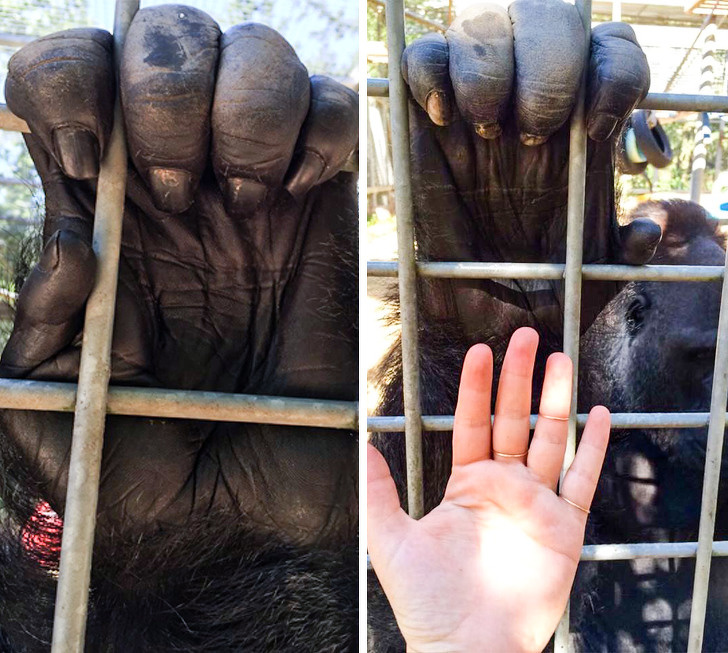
(399, 120)
(616, 10)
(711, 478)
(79, 519)
(707, 76)
(572, 272)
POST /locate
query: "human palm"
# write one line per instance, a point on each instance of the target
(236, 270)
(491, 567)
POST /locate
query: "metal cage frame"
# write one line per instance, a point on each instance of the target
(91, 399)
(573, 272)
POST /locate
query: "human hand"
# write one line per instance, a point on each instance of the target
(239, 242)
(490, 102)
(491, 567)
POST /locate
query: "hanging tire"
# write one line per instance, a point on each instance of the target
(652, 141)
(625, 166)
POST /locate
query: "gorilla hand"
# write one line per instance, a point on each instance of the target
(236, 270)
(490, 141)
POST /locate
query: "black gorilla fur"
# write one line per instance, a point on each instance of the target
(240, 591)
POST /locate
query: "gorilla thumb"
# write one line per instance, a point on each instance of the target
(50, 306)
(639, 241)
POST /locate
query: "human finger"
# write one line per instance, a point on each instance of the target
(550, 53)
(261, 100)
(480, 43)
(619, 78)
(546, 452)
(386, 521)
(328, 136)
(513, 403)
(167, 81)
(581, 479)
(426, 69)
(63, 86)
(471, 431)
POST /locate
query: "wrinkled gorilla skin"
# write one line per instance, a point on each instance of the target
(237, 274)
(489, 134)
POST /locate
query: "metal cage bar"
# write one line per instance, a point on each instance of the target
(398, 112)
(590, 271)
(84, 471)
(572, 271)
(711, 479)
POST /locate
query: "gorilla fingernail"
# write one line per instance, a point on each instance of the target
(244, 196)
(77, 152)
(601, 126)
(172, 189)
(308, 169)
(438, 108)
(532, 139)
(50, 257)
(487, 130)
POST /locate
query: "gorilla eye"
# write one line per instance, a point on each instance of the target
(635, 316)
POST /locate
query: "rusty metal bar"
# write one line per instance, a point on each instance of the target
(79, 517)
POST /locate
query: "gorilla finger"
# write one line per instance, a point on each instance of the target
(639, 241)
(550, 53)
(328, 136)
(167, 80)
(619, 78)
(261, 100)
(62, 85)
(480, 43)
(425, 68)
(51, 302)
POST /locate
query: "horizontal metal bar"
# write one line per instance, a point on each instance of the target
(604, 552)
(184, 404)
(417, 18)
(593, 272)
(395, 423)
(379, 87)
(613, 552)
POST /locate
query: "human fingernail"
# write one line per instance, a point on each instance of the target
(77, 150)
(308, 169)
(172, 189)
(243, 196)
(438, 108)
(532, 139)
(487, 130)
(601, 126)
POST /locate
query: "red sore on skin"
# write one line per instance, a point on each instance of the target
(41, 536)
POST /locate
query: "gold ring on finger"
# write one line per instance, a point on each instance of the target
(510, 455)
(558, 419)
(576, 505)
